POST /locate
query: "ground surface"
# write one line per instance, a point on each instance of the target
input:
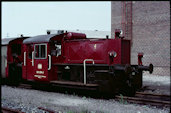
(28, 100)
(157, 84)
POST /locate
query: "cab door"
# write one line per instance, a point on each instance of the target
(41, 64)
(28, 65)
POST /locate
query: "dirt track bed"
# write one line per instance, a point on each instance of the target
(29, 100)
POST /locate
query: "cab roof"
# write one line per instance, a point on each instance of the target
(39, 39)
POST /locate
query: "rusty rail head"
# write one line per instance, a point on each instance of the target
(158, 102)
(10, 110)
(152, 94)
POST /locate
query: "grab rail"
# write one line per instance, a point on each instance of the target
(85, 68)
(33, 58)
(24, 58)
(49, 62)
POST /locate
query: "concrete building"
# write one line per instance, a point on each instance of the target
(150, 32)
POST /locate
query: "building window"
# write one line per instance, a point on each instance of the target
(40, 51)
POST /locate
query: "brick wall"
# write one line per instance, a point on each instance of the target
(151, 32)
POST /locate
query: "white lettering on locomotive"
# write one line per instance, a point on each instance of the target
(40, 72)
(39, 76)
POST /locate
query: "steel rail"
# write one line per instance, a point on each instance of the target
(147, 99)
(163, 97)
(10, 110)
(47, 110)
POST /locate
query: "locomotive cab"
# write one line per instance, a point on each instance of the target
(36, 57)
(42, 53)
(15, 60)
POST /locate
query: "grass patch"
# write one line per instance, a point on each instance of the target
(122, 100)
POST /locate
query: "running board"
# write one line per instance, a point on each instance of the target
(78, 85)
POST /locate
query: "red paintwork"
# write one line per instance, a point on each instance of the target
(30, 71)
(76, 51)
(44, 69)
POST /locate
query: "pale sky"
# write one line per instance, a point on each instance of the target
(34, 18)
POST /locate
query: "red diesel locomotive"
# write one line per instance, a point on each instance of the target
(71, 60)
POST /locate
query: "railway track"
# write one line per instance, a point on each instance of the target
(46, 110)
(26, 86)
(147, 99)
(142, 98)
(9, 110)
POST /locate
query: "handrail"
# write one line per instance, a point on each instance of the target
(84, 62)
(33, 58)
(24, 58)
(49, 62)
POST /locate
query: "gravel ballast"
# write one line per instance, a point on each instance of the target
(157, 84)
(29, 100)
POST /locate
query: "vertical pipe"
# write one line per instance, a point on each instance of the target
(123, 17)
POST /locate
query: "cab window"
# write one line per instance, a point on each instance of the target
(30, 49)
(58, 49)
(55, 48)
(16, 49)
(40, 51)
